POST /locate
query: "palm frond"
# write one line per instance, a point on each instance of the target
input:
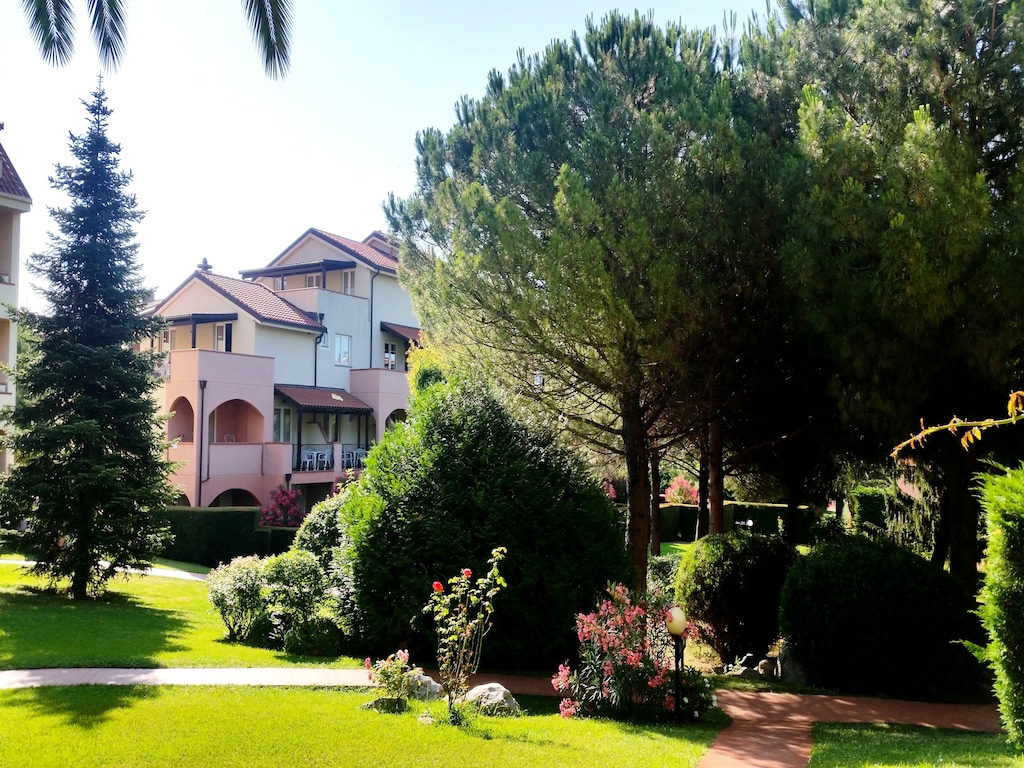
(108, 30)
(52, 25)
(270, 22)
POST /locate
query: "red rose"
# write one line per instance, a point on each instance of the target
(438, 586)
(467, 573)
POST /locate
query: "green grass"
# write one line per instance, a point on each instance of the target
(146, 621)
(178, 565)
(905, 746)
(675, 547)
(203, 726)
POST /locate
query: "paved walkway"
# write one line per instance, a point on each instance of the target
(773, 730)
(769, 730)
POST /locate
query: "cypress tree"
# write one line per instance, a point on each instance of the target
(90, 466)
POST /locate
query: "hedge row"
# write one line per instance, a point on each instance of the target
(679, 521)
(214, 535)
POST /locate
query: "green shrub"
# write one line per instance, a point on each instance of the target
(321, 531)
(238, 592)
(1002, 611)
(661, 572)
(460, 478)
(321, 534)
(729, 585)
(870, 507)
(297, 593)
(214, 535)
(866, 616)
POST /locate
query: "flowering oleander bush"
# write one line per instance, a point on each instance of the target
(395, 677)
(462, 614)
(284, 508)
(681, 491)
(626, 663)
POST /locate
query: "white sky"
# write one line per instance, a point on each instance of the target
(232, 166)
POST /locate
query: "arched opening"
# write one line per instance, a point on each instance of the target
(236, 421)
(180, 425)
(182, 501)
(397, 416)
(235, 497)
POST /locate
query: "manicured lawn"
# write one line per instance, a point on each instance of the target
(222, 727)
(675, 547)
(898, 746)
(146, 621)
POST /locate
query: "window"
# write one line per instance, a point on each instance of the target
(168, 340)
(312, 281)
(348, 282)
(278, 283)
(342, 349)
(222, 337)
(282, 425)
(325, 340)
(390, 356)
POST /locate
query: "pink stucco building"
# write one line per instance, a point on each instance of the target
(287, 375)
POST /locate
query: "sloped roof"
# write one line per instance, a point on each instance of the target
(322, 398)
(259, 301)
(406, 332)
(10, 182)
(362, 251)
(256, 299)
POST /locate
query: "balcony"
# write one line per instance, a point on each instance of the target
(325, 457)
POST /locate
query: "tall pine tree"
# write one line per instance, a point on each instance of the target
(90, 464)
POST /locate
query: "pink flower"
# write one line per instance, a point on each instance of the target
(670, 703)
(438, 586)
(466, 573)
(567, 708)
(560, 682)
(403, 656)
(368, 664)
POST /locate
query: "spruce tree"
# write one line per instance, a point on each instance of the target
(90, 466)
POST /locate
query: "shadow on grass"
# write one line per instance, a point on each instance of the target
(81, 706)
(41, 628)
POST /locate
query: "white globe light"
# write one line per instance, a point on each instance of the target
(676, 621)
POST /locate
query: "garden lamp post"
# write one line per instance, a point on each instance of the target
(675, 620)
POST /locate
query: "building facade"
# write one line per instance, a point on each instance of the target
(285, 376)
(14, 201)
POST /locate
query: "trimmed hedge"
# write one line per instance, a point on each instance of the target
(1002, 612)
(214, 535)
(866, 616)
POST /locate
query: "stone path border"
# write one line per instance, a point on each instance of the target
(769, 730)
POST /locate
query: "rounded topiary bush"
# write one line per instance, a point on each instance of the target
(730, 585)
(439, 492)
(866, 616)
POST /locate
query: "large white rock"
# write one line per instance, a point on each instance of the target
(425, 689)
(493, 699)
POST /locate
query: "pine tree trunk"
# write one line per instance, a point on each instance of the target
(638, 497)
(655, 458)
(716, 478)
(703, 483)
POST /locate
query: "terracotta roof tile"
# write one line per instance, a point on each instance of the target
(259, 301)
(322, 399)
(361, 251)
(10, 182)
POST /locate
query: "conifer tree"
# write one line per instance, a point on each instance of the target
(89, 459)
